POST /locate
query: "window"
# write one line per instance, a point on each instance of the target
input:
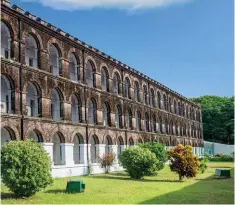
(127, 87)
(152, 98)
(116, 83)
(137, 92)
(7, 135)
(120, 143)
(159, 100)
(129, 118)
(76, 109)
(146, 122)
(179, 109)
(74, 68)
(165, 102)
(118, 117)
(31, 51)
(94, 149)
(92, 112)
(171, 131)
(138, 121)
(33, 100)
(5, 41)
(55, 61)
(104, 80)
(108, 144)
(175, 107)
(160, 125)
(170, 104)
(58, 156)
(176, 129)
(106, 115)
(90, 74)
(57, 106)
(131, 142)
(183, 110)
(145, 95)
(166, 126)
(36, 136)
(7, 95)
(77, 154)
(154, 128)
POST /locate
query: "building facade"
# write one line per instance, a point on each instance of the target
(79, 102)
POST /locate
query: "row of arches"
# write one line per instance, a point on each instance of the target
(32, 59)
(142, 123)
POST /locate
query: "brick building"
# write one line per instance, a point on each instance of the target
(79, 102)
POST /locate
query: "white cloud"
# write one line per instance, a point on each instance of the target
(120, 4)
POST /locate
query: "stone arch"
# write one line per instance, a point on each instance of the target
(57, 44)
(73, 51)
(131, 141)
(92, 60)
(7, 134)
(35, 133)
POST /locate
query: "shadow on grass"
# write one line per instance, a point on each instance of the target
(221, 192)
(8, 196)
(55, 191)
(126, 178)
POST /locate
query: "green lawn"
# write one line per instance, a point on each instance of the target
(118, 188)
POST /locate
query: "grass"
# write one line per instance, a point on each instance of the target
(118, 188)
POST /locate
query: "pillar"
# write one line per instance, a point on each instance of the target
(83, 153)
(67, 153)
(49, 149)
(114, 149)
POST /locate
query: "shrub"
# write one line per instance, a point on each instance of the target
(183, 162)
(219, 155)
(159, 151)
(107, 161)
(203, 165)
(26, 167)
(138, 162)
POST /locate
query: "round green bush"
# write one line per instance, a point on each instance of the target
(25, 167)
(159, 150)
(138, 162)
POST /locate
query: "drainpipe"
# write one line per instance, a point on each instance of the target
(21, 80)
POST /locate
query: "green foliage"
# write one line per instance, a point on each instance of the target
(25, 167)
(203, 165)
(221, 158)
(218, 118)
(159, 151)
(183, 162)
(107, 161)
(139, 162)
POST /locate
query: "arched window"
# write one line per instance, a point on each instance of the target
(176, 129)
(140, 141)
(152, 98)
(58, 152)
(187, 111)
(179, 109)
(31, 51)
(33, 100)
(170, 104)
(128, 118)
(146, 122)
(108, 144)
(92, 112)
(118, 116)
(90, 74)
(77, 154)
(74, 68)
(171, 131)
(165, 102)
(76, 108)
(7, 135)
(106, 115)
(35, 135)
(184, 130)
(137, 92)
(127, 88)
(57, 106)
(183, 110)
(131, 142)
(120, 144)
(166, 126)
(159, 100)
(7, 95)
(5, 41)
(104, 79)
(116, 83)
(145, 95)
(154, 128)
(55, 61)
(160, 125)
(138, 120)
(175, 107)
(94, 149)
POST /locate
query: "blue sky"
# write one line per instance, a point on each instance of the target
(186, 45)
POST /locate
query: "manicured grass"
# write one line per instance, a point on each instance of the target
(118, 188)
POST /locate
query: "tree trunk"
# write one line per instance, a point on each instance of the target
(180, 177)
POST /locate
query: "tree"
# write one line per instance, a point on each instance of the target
(25, 167)
(183, 162)
(160, 152)
(107, 161)
(138, 162)
(217, 118)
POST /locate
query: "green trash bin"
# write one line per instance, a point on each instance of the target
(223, 173)
(75, 186)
